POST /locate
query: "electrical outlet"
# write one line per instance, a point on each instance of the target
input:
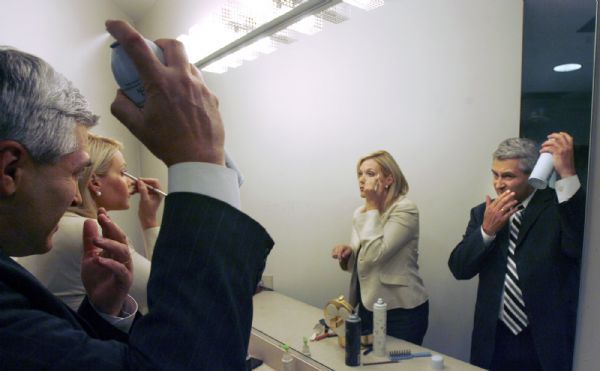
(267, 281)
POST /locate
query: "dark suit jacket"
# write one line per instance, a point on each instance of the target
(208, 260)
(548, 255)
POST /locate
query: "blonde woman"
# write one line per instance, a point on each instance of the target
(383, 251)
(101, 185)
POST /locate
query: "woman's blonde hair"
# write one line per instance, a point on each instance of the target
(389, 167)
(102, 151)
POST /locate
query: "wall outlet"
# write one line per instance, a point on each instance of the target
(267, 281)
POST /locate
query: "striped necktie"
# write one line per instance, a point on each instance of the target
(513, 310)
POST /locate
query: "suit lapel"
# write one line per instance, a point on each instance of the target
(540, 201)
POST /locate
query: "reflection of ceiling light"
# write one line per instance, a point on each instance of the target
(568, 67)
(238, 32)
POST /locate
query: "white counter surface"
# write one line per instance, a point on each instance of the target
(288, 320)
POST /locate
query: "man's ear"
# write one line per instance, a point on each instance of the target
(13, 157)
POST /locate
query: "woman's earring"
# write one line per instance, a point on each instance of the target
(98, 193)
(387, 186)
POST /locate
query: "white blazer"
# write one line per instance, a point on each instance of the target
(387, 262)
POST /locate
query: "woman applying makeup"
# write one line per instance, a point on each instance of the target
(383, 250)
(102, 185)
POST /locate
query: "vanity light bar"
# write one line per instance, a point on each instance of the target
(270, 28)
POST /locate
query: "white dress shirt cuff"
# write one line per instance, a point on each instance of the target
(566, 188)
(487, 239)
(205, 178)
(126, 317)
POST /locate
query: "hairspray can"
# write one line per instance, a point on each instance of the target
(353, 332)
(127, 75)
(379, 327)
(129, 81)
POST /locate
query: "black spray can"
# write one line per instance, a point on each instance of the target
(353, 332)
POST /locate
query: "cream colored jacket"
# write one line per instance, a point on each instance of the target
(60, 268)
(387, 263)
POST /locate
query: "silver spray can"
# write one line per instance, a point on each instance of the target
(353, 332)
(379, 327)
(129, 81)
(127, 75)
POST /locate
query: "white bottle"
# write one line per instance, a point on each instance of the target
(287, 360)
(543, 170)
(379, 327)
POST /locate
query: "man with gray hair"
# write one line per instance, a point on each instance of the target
(208, 258)
(525, 245)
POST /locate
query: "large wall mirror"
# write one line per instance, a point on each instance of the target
(438, 84)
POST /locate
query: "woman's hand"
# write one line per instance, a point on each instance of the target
(375, 193)
(342, 253)
(149, 202)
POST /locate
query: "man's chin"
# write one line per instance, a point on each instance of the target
(47, 246)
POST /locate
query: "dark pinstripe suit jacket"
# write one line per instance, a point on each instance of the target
(548, 257)
(207, 263)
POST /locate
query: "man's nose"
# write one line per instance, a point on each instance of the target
(498, 183)
(77, 199)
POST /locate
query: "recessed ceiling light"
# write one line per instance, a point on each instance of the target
(567, 67)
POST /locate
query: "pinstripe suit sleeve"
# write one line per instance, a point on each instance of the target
(469, 255)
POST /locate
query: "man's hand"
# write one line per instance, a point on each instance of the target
(180, 121)
(498, 212)
(561, 147)
(106, 268)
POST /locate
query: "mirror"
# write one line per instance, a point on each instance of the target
(436, 84)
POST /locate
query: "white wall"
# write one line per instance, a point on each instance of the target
(434, 82)
(70, 35)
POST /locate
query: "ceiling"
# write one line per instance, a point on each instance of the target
(135, 9)
(554, 33)
(557, 32)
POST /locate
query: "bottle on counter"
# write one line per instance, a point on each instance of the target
(287, 360)
(353, 333)
(379, 327)
(305, 347)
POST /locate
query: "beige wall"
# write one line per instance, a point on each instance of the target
(436, 83)
(70, 35)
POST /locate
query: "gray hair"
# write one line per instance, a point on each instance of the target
(39, 107)
(522, 149)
